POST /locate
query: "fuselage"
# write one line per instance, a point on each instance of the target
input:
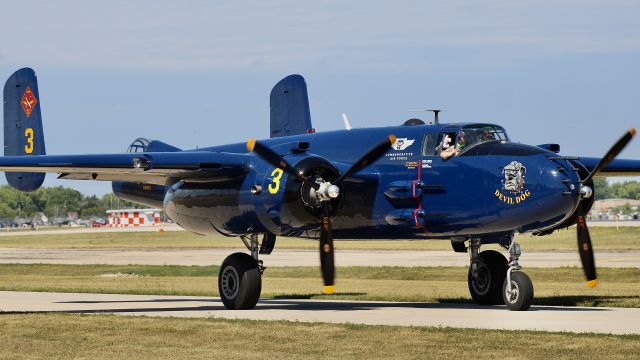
(491, 187)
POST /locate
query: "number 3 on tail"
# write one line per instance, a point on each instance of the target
(274, 186)
(28, 132)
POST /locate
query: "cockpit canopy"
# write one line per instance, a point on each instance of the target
(138, 145)
(456, 139)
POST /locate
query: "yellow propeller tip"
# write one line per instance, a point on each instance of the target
(329, 290)
(251, 143)
(392, 139)
(632, 131)
(592, 283)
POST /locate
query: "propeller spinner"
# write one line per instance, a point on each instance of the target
(325, 192)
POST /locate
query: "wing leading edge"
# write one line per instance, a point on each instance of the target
(149, 167)
(617, 167)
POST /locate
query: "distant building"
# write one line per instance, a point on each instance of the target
(133, 217)
(608, 204)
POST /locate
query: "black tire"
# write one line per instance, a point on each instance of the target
(522, 295)
(486, 287)
(239, 282)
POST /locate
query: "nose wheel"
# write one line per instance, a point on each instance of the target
(518, 291)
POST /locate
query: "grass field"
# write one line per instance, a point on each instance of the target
(563, 286)
(604, 238)
(62, 336)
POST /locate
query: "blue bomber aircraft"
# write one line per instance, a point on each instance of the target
(467, 183)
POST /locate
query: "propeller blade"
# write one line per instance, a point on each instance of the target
(586, 250)
(612, 153)
(371, 156)
(276, 160)
(326, 252)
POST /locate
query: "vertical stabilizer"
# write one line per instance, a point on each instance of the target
(23, 135)
(289, 103)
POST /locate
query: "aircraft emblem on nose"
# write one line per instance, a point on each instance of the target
(513, 182)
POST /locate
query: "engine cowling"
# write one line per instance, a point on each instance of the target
(587, 203)
(301, 208)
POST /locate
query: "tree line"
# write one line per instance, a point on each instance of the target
(624, 190)
(56, 202)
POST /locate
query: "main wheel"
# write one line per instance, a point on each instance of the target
(521, 294)
(239, 282)
(485, 285)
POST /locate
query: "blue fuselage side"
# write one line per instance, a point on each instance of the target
(410, 192)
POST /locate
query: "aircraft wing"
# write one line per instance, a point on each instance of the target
(147, 167)
(617, 167)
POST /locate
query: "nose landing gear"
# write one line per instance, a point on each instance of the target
(517, 290)
(493, 280)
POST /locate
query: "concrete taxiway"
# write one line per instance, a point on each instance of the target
(544, 318)
(287, 257)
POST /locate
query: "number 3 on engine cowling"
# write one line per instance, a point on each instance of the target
(274, 186)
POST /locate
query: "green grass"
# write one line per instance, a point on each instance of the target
(560, 286)
(604, 238)
(64, 336)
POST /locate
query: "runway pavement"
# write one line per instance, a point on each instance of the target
(87, 230)
(545, 318)
(286, 257)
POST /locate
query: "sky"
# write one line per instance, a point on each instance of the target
(199, 73)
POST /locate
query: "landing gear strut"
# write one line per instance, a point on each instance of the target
(493, 280)
(240, 278)
(517, 290)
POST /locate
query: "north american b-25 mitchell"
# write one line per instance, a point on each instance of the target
(466, 182)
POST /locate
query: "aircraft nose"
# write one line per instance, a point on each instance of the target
(564, 182)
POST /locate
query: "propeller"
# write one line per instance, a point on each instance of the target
(584, 239)
(325, 191)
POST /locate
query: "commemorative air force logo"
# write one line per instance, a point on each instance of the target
(28, 101)
(402, 143)
(513, 182)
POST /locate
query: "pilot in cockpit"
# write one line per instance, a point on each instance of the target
(462, 142)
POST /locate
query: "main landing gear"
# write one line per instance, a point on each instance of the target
(493, 280)
(240, 276)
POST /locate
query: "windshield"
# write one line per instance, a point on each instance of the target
(472, 135)
(451, 143)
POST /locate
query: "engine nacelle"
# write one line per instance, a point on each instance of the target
(146, 194)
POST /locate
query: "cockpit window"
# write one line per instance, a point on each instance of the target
(452, 143)
(476, 134)
(429, 144)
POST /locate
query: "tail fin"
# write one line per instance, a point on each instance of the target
(290, 107)
(23, 133)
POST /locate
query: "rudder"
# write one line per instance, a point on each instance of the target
(23, 132)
